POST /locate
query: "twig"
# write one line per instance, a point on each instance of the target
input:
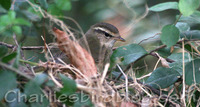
(104, 72)
(15, 70)
(147, 75)
(140, 86)
(168, 99)
(26, 47)
(47, 49)
(54, 80)
(158, 48)
(134, 21)
(44, 33)
(148, 38)
(163, 46)
(156, 64)
(127, 68)
(177, 19)
(183, 95)
(194, 48)
(21, 52)
(167, 59)
(12, 6)
(85, 88)
(7, 45)
(126, 81)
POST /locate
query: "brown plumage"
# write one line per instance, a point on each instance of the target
(78, 56)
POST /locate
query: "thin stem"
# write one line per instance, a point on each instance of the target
(183, 95)
(177, 19)
(28, 62)
(26, 47)
(126, 80)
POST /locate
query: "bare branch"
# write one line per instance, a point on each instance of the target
(26, 47)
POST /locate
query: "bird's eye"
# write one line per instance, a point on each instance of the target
(108, 35)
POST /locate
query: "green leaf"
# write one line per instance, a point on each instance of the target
(33, 92)
(188, 7)
(21, 21)
(192, 34)
(14, 100)
(178, 58)
(162, 77)
(164, 52)
(192, 19)
(69, 85)
(5, 4)
(5, 20)
(43, 4)
(63, 4)
(69, 88)
(183, 26)
(17, 30)
(196, 15)
(50, 83)
(9, 57)
(164, 6)
(170, 35)
(3, 51)
(127, 54)
(32, 88)
(40, 78)
(8, 82)
(12, 15)
(30, 15)
(53, 9)
(192, 72)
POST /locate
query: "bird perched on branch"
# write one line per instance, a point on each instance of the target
(100, 41)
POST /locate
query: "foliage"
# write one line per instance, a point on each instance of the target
(163, 77)
(127, 54)
(164, 6)
(170, 35)
(177, 48)
(187, 7)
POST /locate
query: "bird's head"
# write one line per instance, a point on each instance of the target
(106, 32)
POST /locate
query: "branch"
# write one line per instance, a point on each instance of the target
(25, 47)
(167, 59)
(163, 46)
(7, 45)
(148, 38)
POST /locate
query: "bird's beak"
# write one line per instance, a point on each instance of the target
(119, 38)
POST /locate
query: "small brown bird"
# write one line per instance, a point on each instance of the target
(100, 41)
